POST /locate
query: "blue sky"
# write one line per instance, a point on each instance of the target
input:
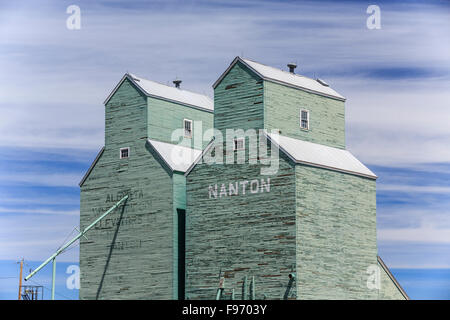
(396, 79)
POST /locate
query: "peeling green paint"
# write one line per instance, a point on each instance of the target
(282, 106)
(145, 230)
(164, 117)
(315, 223)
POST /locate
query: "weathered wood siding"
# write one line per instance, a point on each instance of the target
(238, 101)
(336, 234)
(251, 234)
(388, 289)
(164, 117)
(318, 223)
(282, 107)
(129, 254)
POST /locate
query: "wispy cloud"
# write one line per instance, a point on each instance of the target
(36, 237)
(415, 235)
(38, 200)
(36, 179)
(412, 204)
(414, 189)
(40, 211)
(54, 82)
(409, 255)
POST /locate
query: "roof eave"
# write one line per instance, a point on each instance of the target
(389, 273)
(86, 175)
(235, 60)
(179, 102)
(373, 177)
(160, 156)
(341, 98)
(192, 166)
(131, 79)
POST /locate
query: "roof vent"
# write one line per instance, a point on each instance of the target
(322, 82)
(177, 83)
(291, 67)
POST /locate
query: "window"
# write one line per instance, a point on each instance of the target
(187, 128)
(238, 144)
(124, 153)
(304, 119)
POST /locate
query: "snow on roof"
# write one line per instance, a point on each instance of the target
(321, 156)
(285, 77)
(159, 90)
(178, 158)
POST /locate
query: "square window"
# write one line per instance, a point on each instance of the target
(304, 119)
(238, 144)
(124, 153)
(187, 124)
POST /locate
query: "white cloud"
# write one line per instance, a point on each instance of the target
(413, 188)
(415, 235)
(399, 126)
(54, 82)
(40, 211)
(41, 179)
(35, 237)
(61, 200)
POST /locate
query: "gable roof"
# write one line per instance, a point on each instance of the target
(319, 155)
(178, 158)
(168, 93)
(309, 153)
(199, 157)
(285, 78)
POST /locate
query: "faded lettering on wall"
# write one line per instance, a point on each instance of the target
(239, 187)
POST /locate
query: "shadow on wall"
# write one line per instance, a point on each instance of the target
(111, 248)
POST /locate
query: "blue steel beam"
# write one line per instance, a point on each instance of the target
(64, 247)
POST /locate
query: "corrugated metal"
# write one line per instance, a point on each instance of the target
(320, 155)
(177, 157)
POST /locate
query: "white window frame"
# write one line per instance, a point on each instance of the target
(120, 153)
(307, 119)
(184, 128)
(235, 148)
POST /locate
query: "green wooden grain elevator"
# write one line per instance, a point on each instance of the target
(133, 253)
(292, 215)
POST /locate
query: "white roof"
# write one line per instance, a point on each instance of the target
(178, 158)
(320, 156)
(285, 77)
(159, 90)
